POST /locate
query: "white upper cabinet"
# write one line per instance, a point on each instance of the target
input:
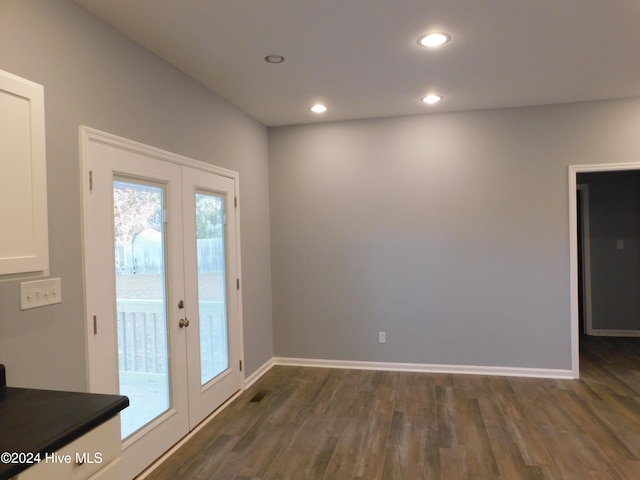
(24, 243)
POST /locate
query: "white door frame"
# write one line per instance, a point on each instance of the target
(573, 249)
(89, 137)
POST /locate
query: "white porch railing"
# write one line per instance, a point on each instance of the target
(142, 336)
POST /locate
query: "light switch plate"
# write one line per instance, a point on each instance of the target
(40, 293)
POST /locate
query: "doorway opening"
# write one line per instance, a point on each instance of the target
(584, 325)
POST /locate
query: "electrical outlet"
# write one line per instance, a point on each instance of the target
(382, 337)
(40, 293)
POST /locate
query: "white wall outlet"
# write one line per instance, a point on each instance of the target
(620, 244)
(40, 293)
(382, 337)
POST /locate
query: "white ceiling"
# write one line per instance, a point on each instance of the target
(361, 58)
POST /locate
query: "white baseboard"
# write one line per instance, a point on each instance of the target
(614, 333)
(427, 368)
(255, 376)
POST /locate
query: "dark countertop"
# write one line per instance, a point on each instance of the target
(43, 421)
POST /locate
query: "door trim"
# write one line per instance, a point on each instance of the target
(573, 249)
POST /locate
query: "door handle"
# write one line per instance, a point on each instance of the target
(183, 322)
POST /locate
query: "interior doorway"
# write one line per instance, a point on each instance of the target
(582, 321)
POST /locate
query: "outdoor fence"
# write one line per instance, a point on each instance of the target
(144, 255)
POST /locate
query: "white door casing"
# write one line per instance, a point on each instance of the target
(573, 171)
(103, 158)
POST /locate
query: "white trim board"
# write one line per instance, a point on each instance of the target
(426, 368)
(90, 134)
(615, 333)
(255, 376)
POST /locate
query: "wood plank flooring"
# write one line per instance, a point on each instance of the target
(315, 423)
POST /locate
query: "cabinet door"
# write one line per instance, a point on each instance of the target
(89, 456)
(23, 178)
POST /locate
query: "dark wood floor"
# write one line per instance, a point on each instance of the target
(317, 423)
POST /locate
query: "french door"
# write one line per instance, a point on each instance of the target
(163, 309)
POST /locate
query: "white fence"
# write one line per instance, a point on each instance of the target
(144, 255)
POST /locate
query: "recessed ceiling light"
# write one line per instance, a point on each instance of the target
(318, 108)
(433, 39)
(274, 59)
(431, 99)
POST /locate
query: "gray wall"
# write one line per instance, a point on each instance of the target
(93, 76)
(614, 214)
(448, 231)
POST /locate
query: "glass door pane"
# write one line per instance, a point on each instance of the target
(212, 305)
(141, 301)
